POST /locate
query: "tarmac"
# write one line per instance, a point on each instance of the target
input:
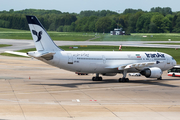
(25, 44)
(33, 90)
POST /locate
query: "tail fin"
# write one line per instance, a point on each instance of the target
(42, 40)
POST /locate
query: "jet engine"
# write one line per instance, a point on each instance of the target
(153, 72)
(109, 74)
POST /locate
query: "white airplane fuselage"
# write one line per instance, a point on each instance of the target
(99, 61)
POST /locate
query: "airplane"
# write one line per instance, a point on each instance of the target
(106, 63)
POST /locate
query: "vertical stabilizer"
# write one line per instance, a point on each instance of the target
(42, 40)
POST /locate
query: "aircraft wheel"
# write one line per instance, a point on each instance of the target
(97, 79)
(119, 80)
(126, 79)
(123, 80)
(159, 78)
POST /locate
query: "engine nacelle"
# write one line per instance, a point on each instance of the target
(109, 74)
(152, 72)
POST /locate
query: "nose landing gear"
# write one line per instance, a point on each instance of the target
(97, 78)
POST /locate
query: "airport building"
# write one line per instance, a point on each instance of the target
(117, 31)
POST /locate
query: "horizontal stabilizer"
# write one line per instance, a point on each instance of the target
(17, 53)
(40, 56)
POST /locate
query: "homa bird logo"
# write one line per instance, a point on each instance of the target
(158, 55)
(37, 34)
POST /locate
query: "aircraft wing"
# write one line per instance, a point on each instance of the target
(140, 65)
(134, 65)
(117, 66)
(17, 53)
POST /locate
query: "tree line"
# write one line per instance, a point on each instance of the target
(157, 20)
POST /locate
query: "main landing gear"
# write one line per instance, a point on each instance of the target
(124, 79)
(97, 78)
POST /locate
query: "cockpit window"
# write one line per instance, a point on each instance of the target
(172, 58)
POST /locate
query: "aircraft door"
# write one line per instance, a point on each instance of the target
(104, 59)
(70, 58)
(168, 61)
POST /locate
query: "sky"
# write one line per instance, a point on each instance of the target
(77, 6)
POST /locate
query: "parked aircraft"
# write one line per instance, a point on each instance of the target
(106, 63)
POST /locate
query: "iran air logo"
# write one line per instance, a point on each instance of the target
(157, 55)
(38, 34)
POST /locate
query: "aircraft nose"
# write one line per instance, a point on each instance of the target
(174, 63)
